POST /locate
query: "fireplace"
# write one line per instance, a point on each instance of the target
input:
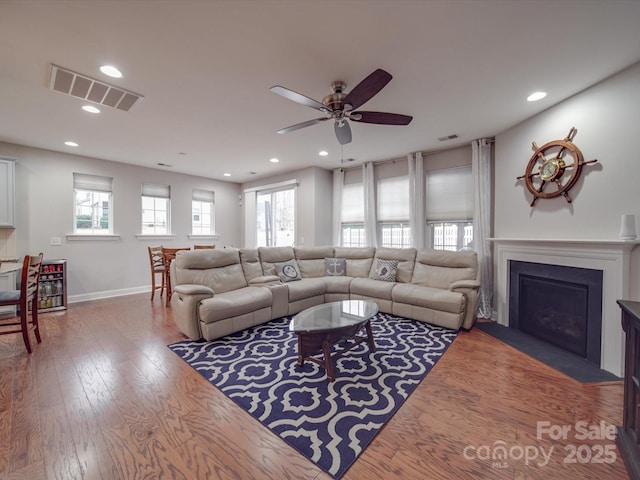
(612, 257)
(558, 304)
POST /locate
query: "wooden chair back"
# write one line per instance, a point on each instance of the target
(169, 254)
(25, 299)
(156, 261)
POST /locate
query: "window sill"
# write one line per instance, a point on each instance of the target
(141, 236)
(203, 237)
(94, 238)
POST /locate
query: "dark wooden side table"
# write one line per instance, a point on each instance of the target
(628, 436)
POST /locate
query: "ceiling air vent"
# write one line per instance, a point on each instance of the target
(77, 85)
(448, 137)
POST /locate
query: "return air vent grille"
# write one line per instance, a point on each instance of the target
(448, 137)
(87, 88)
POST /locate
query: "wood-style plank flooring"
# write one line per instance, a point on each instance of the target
(104, 398)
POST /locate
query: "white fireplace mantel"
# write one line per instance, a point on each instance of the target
(610, 256)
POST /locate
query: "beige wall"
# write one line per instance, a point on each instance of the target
(607, 118)
(44, 209)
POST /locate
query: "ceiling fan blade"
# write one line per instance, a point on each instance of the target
(368, 88)
(299, 98)
(381, 118)
(298, 126)
(343, 132)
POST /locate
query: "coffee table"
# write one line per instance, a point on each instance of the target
(320, 327)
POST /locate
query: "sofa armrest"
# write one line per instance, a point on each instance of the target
(264, 280)
(471, 290)
(466, 284)
(192, 289)
(184, 302)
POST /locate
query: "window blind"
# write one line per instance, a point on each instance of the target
(203, 195)
(94, 183)
(393, 199)
(449, 194)
(353, 203)
(158, 191)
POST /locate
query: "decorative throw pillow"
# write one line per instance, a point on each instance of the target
(384, 270)
(335, 267)
(288, 271)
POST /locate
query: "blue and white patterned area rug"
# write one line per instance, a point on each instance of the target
(330, 423)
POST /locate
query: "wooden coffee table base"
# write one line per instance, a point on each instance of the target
(321, 341)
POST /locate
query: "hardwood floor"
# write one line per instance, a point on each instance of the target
(104, 398)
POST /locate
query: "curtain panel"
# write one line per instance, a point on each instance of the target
(338, 186)
(417, 220)
(482, 219)
(370, 222)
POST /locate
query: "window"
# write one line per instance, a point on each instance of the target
(353, 233)
(449, 208)
(155, 209)
(92, 204)
(393, 212)
(451, 235)
(275, 217)
(202, 212)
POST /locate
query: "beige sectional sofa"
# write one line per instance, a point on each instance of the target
(220, 291)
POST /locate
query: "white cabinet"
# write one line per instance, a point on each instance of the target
(7, 192)
(7, 282)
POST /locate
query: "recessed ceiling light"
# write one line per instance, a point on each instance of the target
(535, 96)
(227, 174)
(274, 160)
(323, 153)
(91, 109)
(71, 144)
(111, 71)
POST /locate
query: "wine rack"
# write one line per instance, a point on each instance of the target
(52, 288)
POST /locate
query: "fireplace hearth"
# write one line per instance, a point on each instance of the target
(558, 304)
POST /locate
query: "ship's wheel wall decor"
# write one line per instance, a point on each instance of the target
(554, 168)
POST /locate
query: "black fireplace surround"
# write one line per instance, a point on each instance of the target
(558, 304)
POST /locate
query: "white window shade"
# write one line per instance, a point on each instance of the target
(203, 196)
(393, 199)
(353, 203)
(158, 191)
(93, 183)
(449, 194)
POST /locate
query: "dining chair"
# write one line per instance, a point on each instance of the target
(168, 254)
(24, 299)
(157, 267)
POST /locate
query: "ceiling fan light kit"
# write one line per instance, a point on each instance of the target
(340, 107)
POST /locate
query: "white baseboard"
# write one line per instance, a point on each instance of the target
(108, 294)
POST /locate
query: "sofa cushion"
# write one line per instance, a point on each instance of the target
(440, 268)
(358, 259)
(271, 255)
(288, 271)
(218, 269)
(384, 270)
(234, 303)
(338, 284)
(311, 260)
(306, 288)
(405, 257)
(251, 265)
(372, 288)
(428, 297)
(335, 267)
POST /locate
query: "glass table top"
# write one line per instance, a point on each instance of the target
(333, 315)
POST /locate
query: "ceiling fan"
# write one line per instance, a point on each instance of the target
(341, 107)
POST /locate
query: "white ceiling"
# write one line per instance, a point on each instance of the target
(205, 69)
